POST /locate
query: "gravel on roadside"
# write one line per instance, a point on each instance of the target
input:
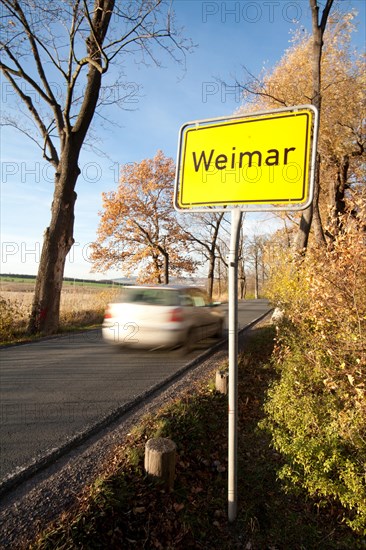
(29, 508)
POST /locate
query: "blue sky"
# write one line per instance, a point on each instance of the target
(229, 35)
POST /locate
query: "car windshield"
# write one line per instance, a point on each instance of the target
(149, 296)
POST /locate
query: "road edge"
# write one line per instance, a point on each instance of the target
(40, 463)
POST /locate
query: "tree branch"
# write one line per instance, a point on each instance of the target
(53, 158)
(325, 15)
(18, 12)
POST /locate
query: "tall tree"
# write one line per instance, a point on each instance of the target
(138, 231)
(73, 44)
(203, 233)
(312, 214)
(342, 101)
(253, 251)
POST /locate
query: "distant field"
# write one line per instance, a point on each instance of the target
(7, 283)
(13, 278)
(14, 283)
(82, 303)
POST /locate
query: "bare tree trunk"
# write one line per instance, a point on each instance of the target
(317, 222)
(85, 59)
(243, 287)
(211, 274)
(312, 214)
(58, 238)
(256, 279)
(303, 232)
(242, 280)
(166, 268)
(57, 242)
(219, 278)
(337, 196)
(162, 275)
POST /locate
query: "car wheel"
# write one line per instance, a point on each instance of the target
(117, 348)
(188, 344)
(220, 330)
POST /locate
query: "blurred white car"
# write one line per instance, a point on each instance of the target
(162, 316)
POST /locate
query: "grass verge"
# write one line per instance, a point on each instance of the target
(125, 509)
(81, 308)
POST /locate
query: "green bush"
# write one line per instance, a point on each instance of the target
(320, 435)
(316, 410)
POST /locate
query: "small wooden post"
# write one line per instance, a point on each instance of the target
(222, 379)
(160, 456)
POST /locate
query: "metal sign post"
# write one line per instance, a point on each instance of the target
(260, 162)
(236, 216)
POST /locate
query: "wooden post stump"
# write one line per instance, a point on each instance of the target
(160, 457)
(222, 381)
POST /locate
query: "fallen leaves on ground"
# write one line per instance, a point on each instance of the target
(128, 510)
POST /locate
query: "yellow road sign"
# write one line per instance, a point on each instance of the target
(261, 162)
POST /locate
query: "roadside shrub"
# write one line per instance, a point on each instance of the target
(316, 410)
(10, 317)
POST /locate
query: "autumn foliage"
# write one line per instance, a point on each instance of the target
(138, 231)
(317, 408)
(341, 145)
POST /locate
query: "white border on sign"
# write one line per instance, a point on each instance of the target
(252, 207)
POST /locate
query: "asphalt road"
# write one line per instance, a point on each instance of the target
(54, 390)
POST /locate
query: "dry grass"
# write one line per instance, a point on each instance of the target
(80, 306)
(124, 508)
